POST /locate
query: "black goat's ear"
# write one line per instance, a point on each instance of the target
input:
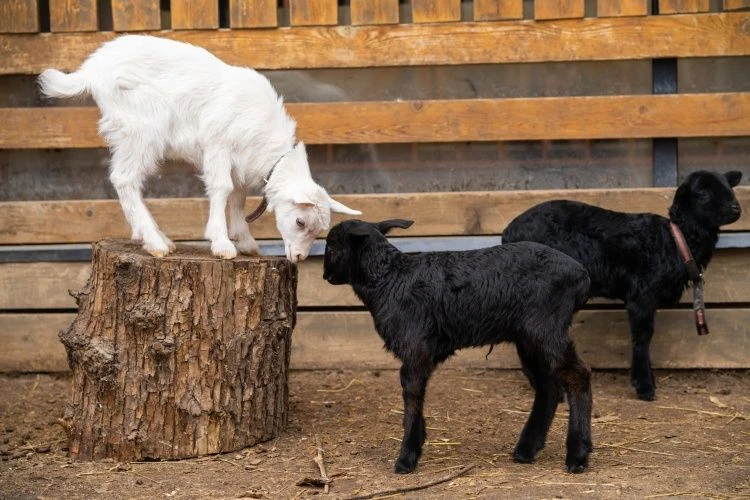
(387, 225)
(734, 177)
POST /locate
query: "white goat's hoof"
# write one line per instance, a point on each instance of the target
(249, 247)
(223, 249)
(170, 244)
(157, 251)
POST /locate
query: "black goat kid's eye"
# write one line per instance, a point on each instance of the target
(300, 223)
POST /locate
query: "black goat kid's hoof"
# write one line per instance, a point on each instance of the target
(525, 453)
(406, 464)
(647, 394)
(576, 465)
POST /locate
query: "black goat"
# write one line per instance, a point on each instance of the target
(426, 306)
(634, 257)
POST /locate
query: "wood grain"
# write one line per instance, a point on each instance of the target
(18, 16)
(612, 38)
(595, 117)
(347, 340)
(613, 8)
(364, 12)
(683, 6)
(558, 9)
(495, 10)
(736, 4)
(435, 11)
(73, 15)
(437, 214)
(194, 14)
(45, 285)
(253, 13)
(136, 15)
(313, 13)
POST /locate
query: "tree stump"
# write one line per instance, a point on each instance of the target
(178, 357)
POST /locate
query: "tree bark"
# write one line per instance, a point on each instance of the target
(178, 357)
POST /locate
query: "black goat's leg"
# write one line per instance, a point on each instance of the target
(641, 331)
(546, 399)
(576, 378)
(414, 377)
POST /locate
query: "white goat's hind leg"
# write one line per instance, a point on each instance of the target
(127, 176)
(218, 179)
(238, 228)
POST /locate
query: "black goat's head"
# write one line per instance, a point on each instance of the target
(708, 196)
(343, 243)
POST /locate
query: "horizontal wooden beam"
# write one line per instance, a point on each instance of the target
(45, 285)
(436, 214)
(347, 340)
(555, 118)
(587, 39)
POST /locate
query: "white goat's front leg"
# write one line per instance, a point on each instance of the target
(217, 175)
(127, 175)
(238, 228)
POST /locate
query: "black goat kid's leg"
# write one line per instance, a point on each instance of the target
(414, 378)
(576, 378)
(546, 399)
(641, 331)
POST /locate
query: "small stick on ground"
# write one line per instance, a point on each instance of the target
(319, 460)
(396, 491)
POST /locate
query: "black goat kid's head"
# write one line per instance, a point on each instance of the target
(344, 241)
(709, 197)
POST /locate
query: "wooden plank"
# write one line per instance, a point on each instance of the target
(18, 16)
(45, 285)
(437, 214)
(253, 14)
(590, 39)
(736, 4)
(347, 340)
(30, 342)
(683, 6)
(495, 10)
(595, 117)
(73, 15)
(313, 12)
(614, 8)
(558, 9)
(364, 12)
(136, 15)
(435, 11)
(194, 14)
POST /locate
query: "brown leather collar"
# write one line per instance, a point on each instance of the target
(693, 270)
(694, 273)
(264, 202)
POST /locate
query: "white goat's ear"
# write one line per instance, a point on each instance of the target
(340, 208)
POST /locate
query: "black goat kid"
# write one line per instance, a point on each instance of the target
(634, 257)
(426, 306)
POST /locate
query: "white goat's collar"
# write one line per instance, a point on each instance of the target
(264, 202)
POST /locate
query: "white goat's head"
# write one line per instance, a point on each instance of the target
(302, 207)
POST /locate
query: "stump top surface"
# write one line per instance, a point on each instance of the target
(185, 251)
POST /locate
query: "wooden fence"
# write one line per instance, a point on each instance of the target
(315, 34)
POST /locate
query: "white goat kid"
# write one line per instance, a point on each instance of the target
(161, 99)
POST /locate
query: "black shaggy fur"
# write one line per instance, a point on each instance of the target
(633, 257)
(426, 306)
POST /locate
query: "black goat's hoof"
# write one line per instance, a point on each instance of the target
(524, 454)
(647, 395)
(405, 464)
(576, 465)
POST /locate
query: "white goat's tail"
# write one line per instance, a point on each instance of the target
(54, 83)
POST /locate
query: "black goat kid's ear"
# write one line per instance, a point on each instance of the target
(734, 177)
(387, 225)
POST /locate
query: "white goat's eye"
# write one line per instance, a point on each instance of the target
(300, 223)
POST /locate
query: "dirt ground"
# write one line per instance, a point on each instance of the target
(693, 441)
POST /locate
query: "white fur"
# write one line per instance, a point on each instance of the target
(161, 99)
